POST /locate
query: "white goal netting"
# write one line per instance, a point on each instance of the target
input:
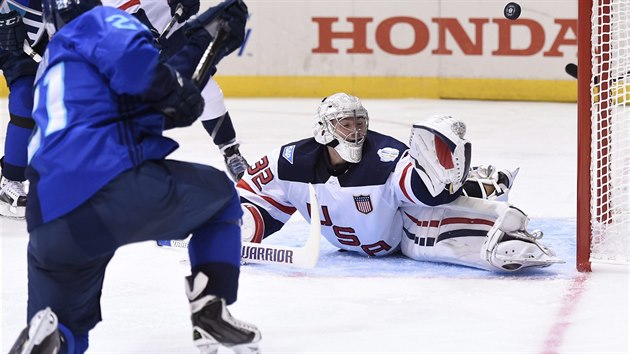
(610, 139)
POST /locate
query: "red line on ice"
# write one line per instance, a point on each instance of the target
(555, 336)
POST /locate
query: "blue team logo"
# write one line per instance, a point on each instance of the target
(287, 153)
(363, 203)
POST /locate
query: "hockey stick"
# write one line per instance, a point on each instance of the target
(202, 69)
(31, 52)
(219, 30)
(300, 257)
(179, 11)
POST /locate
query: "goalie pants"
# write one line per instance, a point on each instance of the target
(157, 200)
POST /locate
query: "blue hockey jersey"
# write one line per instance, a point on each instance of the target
(90, 127)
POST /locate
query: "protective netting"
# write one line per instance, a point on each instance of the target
(610, 142)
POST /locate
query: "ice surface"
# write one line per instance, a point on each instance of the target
(352, 304)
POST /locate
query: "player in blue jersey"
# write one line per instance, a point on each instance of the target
(20, 21)
(215, 119)
(379, 197)
(99, 178)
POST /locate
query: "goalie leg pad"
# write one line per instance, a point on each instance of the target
(455, 232)
(442, 234)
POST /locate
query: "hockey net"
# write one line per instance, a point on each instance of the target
(605, 122)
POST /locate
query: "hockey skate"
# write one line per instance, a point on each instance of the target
(41, 336)
(235, 162)
(213, 325)
(12, 198)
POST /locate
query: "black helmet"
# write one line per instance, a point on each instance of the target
(57, 13)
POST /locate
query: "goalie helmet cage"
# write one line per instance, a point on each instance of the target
(603, 186)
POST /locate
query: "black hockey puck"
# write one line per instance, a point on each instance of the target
(512, 11)
(571, 69)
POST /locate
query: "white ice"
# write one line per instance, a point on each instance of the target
(349, 304)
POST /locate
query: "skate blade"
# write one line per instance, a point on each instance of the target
(208, 345)
(42, 325)
(19, 342)
(531, 262)
(248, 348)
(11, 212)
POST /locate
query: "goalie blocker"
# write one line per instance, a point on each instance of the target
(474, 232)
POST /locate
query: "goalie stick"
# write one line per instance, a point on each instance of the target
(300, 257)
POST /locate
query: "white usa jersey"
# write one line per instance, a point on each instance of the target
(158, 11)
(360, 209)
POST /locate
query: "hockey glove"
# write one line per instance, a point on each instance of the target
(181, 104)
(231, 17)
(12, 32)
(191, 7)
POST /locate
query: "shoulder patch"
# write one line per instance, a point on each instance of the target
(287, 153)
(388, 154)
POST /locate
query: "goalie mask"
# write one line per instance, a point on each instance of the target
(342, 123)
(441, 153)
(57, 13)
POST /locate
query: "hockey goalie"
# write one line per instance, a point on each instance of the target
(379, 197)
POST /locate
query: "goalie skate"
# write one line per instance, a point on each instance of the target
(511, 247)
(40, 336)
(517, 254)
(213, 325)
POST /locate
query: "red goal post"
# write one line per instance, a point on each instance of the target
(603, 186)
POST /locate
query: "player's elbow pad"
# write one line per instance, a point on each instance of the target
(175, 96)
